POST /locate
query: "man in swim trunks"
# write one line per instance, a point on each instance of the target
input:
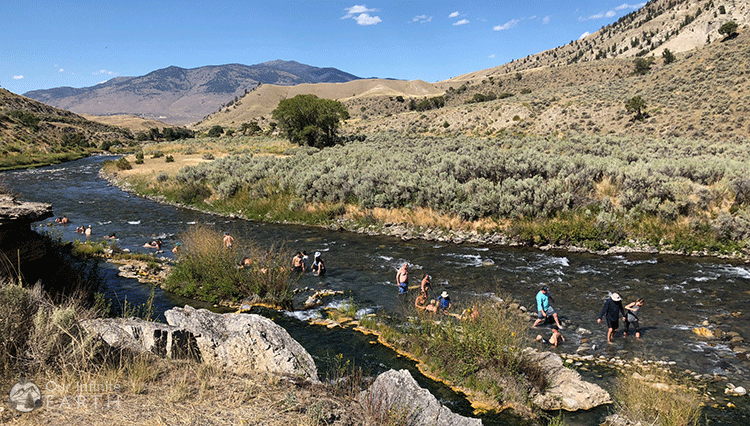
(543, 308)
(402, 279)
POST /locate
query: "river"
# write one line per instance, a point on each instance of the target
(680, 292)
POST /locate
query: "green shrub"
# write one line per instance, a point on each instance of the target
(169, 159)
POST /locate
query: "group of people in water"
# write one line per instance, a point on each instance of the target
(300, 263)
(441, 305)
(612, 311)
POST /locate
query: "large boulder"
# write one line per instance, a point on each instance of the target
(395, 397)
(244, 342)
(144, 336)
(566, 390)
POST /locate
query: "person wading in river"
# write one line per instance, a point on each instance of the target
(614, 311)
(544, 310)
(402, 279)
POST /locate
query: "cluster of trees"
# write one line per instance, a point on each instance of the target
(426, 104)
(167, 134)
(511, 178)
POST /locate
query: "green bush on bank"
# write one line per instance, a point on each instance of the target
(209, 271)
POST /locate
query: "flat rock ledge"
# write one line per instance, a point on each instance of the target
(235, 340)
(566, 389)
(396, 398)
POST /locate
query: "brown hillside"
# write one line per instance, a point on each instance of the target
(33, 126)
(130, 122)
(258, 104)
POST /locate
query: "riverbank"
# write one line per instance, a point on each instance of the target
(150, 179)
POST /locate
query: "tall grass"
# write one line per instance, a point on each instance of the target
(209, 271)
(483, 354)
(643, 402)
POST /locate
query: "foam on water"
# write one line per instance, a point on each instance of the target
(134, 222)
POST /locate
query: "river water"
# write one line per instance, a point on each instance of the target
(680, 292)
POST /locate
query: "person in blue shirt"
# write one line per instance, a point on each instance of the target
(444, 303)
(543, 308)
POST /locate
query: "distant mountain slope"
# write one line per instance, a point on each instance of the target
(179, 96)
(258, 104)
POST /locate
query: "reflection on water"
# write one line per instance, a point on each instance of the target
(680, 292)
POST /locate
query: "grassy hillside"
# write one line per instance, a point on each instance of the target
(32, 133)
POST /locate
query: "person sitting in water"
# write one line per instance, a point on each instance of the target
(421, 301)
(156, 244)
(444, 302)
(80, 229)
(318, 266)
(298, 265)
(556, 337)
(176, 248)
(64, 219)
(88, 231)
(111, 236)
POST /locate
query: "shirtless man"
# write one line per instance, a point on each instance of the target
(402, 279)
(228, 240)
(298, 265)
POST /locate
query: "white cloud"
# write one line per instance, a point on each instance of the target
(461, 22)
(454, 15)
(361, 14)
(17, 77)
(506, 26)
(612, 13)
(545, 20)
(104, 72)
(421, 19)
(630, 6)
(61, 70)
(491, 56)
(584, 35)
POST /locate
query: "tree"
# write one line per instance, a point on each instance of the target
(641, 66)
(309, 120)
(728, 29)
(637, 105)
(215, 131)
(668, 56)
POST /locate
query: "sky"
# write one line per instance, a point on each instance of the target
(46, 44)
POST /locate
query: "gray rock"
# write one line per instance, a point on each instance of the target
(244, 342)
(396, 398)
(144, 336)
(566, 389)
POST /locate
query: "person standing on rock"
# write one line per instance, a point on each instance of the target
(544, 310)
(613, 311)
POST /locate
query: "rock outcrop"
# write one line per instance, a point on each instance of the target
(238, 341)
(16, 237)
(395, 397)
(244, 342)
(566, 389)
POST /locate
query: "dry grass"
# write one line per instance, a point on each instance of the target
(656, 398)
(186, 393)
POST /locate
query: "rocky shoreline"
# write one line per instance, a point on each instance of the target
(407, 232)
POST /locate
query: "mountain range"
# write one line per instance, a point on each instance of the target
(180, 96)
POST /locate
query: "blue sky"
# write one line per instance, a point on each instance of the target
(46, 44)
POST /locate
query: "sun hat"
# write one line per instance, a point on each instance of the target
(444, 294)
(615, 297)
(317, 254)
